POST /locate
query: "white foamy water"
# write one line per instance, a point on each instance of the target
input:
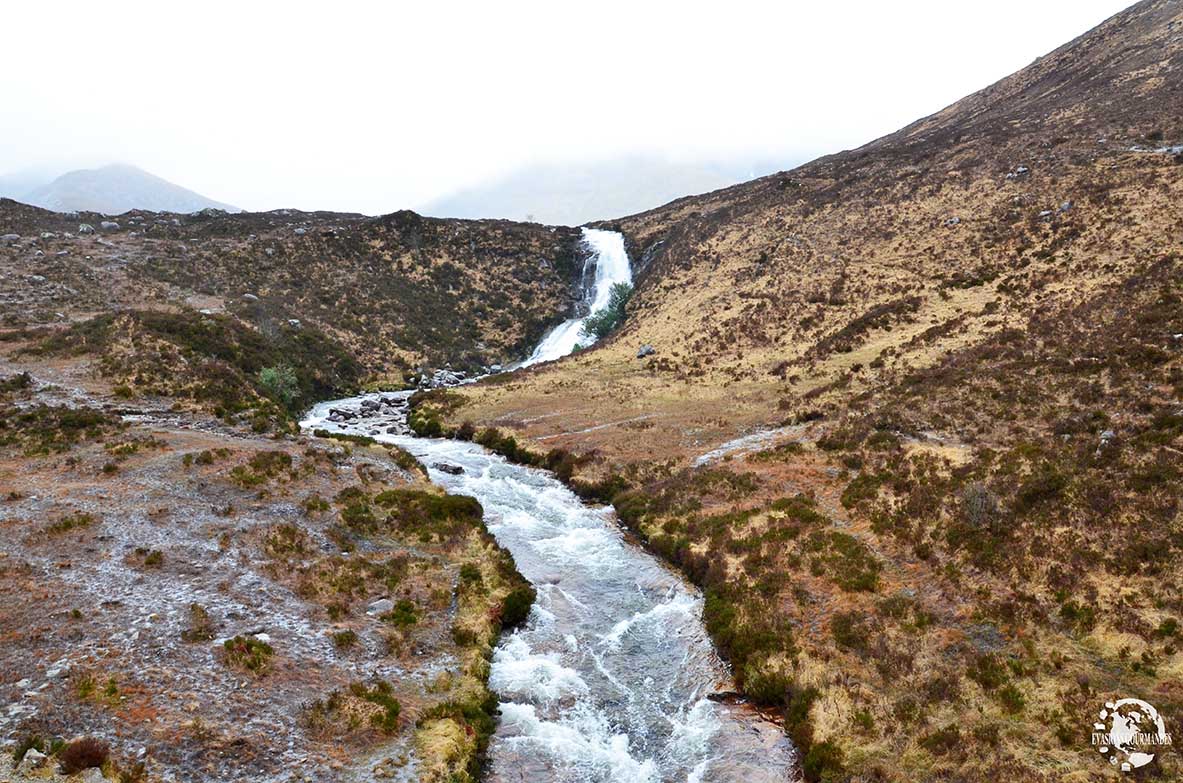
(608, 681)
(606, 251)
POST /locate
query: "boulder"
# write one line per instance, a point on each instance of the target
(645, 350)
(299, 232)
(85, 228)
(34, 759)
(10, 237)
(381, 606)
(109, 225)
(454, 470)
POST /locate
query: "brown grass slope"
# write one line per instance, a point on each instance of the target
(966, 536)
(398, 291)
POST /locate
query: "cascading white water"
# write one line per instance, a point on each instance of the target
(609, 680)
(606, 251)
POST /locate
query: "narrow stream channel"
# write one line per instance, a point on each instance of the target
(610, 679)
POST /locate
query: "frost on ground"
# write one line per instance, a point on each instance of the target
(202, 600)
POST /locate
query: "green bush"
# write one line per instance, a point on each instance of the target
(247, 652)
(601, 323)
(823, 763)
(516, 606)
(280, 383)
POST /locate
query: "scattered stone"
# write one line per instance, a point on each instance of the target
(299, 232)
(1067, 205)
(953, 221)
(249, 298)
(645, 350)
(1045, 214)
(294, 323)
(10, 237)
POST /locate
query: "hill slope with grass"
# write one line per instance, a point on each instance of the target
(396, 294)
(913, 420)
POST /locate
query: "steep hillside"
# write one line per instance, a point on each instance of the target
(912, 420)
(115, 189)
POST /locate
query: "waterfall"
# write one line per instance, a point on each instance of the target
(606, 251)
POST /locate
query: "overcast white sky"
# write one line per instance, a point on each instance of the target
(374, 107)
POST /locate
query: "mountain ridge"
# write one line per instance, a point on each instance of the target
(115, 189)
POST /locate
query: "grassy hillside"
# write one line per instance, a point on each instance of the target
(397, 291)
(959, 536)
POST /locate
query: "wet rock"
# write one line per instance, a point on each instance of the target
(381, 606)
(454, 470)
(645, 350)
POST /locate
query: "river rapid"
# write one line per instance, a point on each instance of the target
(612, 676)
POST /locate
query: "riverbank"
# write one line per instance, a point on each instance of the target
(213, 603)
(614, 677)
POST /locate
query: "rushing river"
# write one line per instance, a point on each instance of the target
(610, 678)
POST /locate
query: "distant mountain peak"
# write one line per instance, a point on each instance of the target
(117, 188)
